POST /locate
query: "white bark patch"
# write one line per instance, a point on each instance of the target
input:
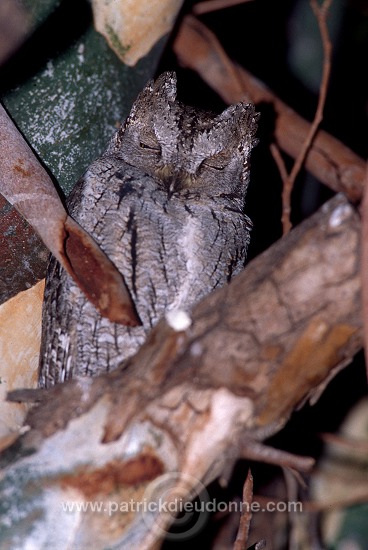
(178, 319)
(339, 215)
(229, 414)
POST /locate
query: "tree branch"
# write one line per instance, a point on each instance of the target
(188, 404)
(321, 15)
(328, 159)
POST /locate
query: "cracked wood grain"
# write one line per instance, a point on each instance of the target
(190, 403)
(274, 334)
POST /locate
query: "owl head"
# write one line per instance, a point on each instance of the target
(185, 149)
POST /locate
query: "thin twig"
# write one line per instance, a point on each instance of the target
(329, 160)
(254, 450)
(246, 514)
(214, 5)
(280, 163)
(291, 483)
(321, 15)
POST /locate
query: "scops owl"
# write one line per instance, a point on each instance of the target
(166, 203)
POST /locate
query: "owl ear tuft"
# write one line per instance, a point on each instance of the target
(240, 113)
(144, 98)
(166, 86)
(227, 114)
(242, 119)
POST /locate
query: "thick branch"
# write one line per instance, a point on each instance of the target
(274, 334)
(190, 403)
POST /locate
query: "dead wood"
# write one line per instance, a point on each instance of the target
(190, 403)
(274, 334)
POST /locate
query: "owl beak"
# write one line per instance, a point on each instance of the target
(174, 183)
(171, 179)
(178, 181)
(171, 189)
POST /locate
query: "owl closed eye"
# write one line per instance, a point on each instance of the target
(168, 139)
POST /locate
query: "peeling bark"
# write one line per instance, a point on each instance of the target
(190, 403)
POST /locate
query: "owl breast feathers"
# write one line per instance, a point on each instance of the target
(165, 202)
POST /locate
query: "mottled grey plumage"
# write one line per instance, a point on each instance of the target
(165, 202)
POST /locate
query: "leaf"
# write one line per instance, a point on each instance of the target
(19, 320)
(28, 187)
(70, 108)
(66, 92)
(132, 28)
(97, 276)
(23, 255)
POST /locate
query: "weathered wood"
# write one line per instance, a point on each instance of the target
(189, 403)
(23, 255)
